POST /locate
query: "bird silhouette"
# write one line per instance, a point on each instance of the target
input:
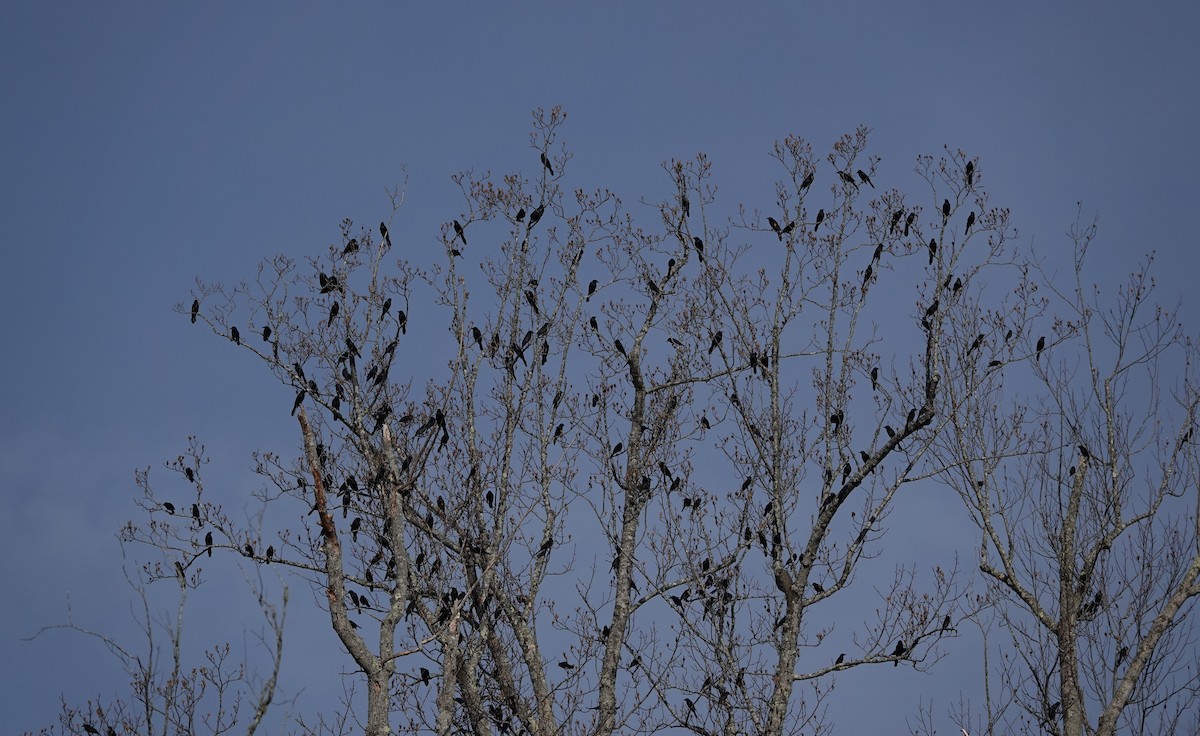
(775, 226)
(616, 450)
(333, 312)
(970, 221)
(532, 299)
(867, 276)
(975, 343)
(896, 220)
(932, 250)
(847, 178)
(946, 623)
(351, 247)
(908, 221)
(591, 288)
(898, 651)
(699, 245)
(716, 341)
(820, 219)
(818, 587)
(841, 658)
(458, 230)
(685, 205)
(383, 230)
(875, 378)
(299, 400)
(477, 335)
(195, 309)
(536, 215)
(866, 179)
(970, 174)
(208, 543)
(1041, 345)
(619, 346)
(266, 334)
(546, 163)
(235, 335)
(945, 211)
(808, 180)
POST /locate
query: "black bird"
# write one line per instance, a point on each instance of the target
(875, 378)
(890, 432)
(896, 220)
(546, 163)
(566, 665)
(1053, 711)
(1121, 655)
(912, 414)
(592, 322)
(333, 312)
(867, 276)
(170, 507)
(591, 288)
(249, 550)
(866, 179)
(818, 587)
(908, 221)
(195, 309)
(775, 226)
(536, 215)
(970, 174)
(837, 418)
(716, 341)
(975, 343)
(931, 309)
(299, 400)
(196, 511)
(208, 542)
(477, 335)
(946, 623)
(402, 321)
(616, 450)
(235, 335)
(1041, 345)
(545, 548)
(351, 247)
(387, 306)
(841, 658)
(424, 676)
(619, 346)
(957, 285)
(878, 253)
(846, 469)
(270, 552)
(994, 363)
(699, 245)
(266, 334)
(898, 651)
(1008, 336)
(532, 299)
(820, 219)
(847, 178)
(970, 221)
(1083, 452)
(685, 204)
(384, 232)
(808, 180)
(89, 728)
(932, 250)
(945, 211)
(190, 475)
(789, 227)
(458, 230)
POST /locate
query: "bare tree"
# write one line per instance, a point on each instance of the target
(654, 455)
(168, 692)
(1085, 493)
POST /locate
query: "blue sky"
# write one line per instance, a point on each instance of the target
(146, 145)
